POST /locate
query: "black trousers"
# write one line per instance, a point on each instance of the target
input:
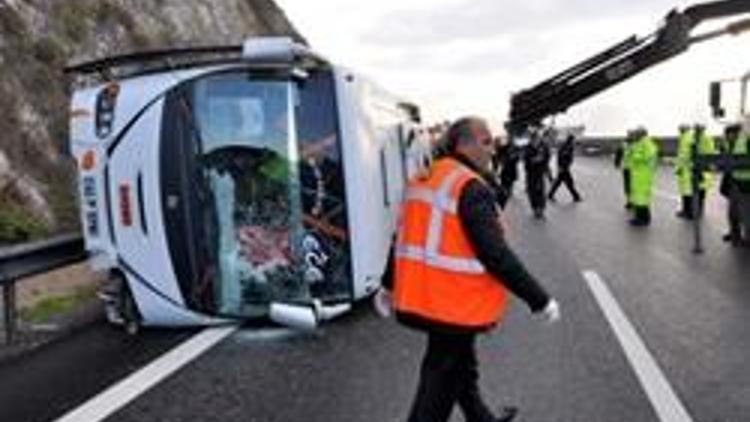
(564, 176)
(449, 375)
(626, 184)
(508, 178)
(642, 215)
(733, 219)
(687, 204)
(536, 190)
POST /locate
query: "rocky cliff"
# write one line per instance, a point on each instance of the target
(39, 37)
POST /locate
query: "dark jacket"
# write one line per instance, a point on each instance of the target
(536, 158)
(565, 155)
(477, 210)
(509, 157)
(619, 155)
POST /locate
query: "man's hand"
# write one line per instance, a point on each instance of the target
(551, 313)
(383, 303)
(502, 220)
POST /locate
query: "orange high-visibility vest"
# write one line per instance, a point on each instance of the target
(438, 277)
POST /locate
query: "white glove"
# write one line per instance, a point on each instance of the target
(383, 303)
(551, 313)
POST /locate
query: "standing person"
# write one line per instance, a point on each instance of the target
(643, 165)
(565, 155)
(536, 161)
(682, 169)
(689, 143)
(623, 155)
(509, 166)
(740, 193)
(706, 145)
(453, 270)
(731, 136)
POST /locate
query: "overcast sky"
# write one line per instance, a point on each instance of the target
(454, 57)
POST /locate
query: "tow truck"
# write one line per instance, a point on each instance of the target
(627, 58)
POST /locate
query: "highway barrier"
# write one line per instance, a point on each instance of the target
(25, 260)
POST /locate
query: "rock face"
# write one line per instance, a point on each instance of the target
(39, 37)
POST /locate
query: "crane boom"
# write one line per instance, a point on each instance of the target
(620, 62)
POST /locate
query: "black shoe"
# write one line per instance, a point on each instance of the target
(727, 237)
(683, 214)
(508, 414)
(551, 199)
(578, 199)
(539, 214)
(638, 223)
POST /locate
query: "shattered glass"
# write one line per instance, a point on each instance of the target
(250, 159)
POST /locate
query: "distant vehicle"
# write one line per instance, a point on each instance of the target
(238, 182)
(735, 104)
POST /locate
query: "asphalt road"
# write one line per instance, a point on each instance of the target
(45, 383)
(689, 310)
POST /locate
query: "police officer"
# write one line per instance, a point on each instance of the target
(740, 194)
(690, 142)
(682, 168)
(509, 155)
(644, 158)
(623, 156)
(536, 163)
(731, 136)
(453, 274)
(565, 155)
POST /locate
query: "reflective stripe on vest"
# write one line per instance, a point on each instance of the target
(438, 277)
(441, 203)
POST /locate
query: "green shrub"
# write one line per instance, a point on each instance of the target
(48, 308)
(63, 200)
(18, 225)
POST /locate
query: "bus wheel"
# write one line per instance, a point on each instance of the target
(129, 311)
(110, 294)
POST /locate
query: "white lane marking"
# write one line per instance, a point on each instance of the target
(664, 400)
(120, 394)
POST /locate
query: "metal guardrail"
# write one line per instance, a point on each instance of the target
(28, 259)
(607, 145)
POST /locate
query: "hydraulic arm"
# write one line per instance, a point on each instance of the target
(620, 62)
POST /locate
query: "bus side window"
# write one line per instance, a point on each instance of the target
(384, 177)
(405, 138)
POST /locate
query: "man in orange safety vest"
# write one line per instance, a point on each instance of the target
(453, 271)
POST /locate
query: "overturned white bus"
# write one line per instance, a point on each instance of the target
(237, 182)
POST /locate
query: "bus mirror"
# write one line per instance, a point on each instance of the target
(299, 74)
(715, 100)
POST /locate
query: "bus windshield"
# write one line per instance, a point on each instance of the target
(248, 161)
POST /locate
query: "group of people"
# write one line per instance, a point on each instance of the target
(451, 270)
(638, 157)
(536, 158)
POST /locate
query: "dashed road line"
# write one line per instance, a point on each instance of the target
(125, 391)
(662, 396)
